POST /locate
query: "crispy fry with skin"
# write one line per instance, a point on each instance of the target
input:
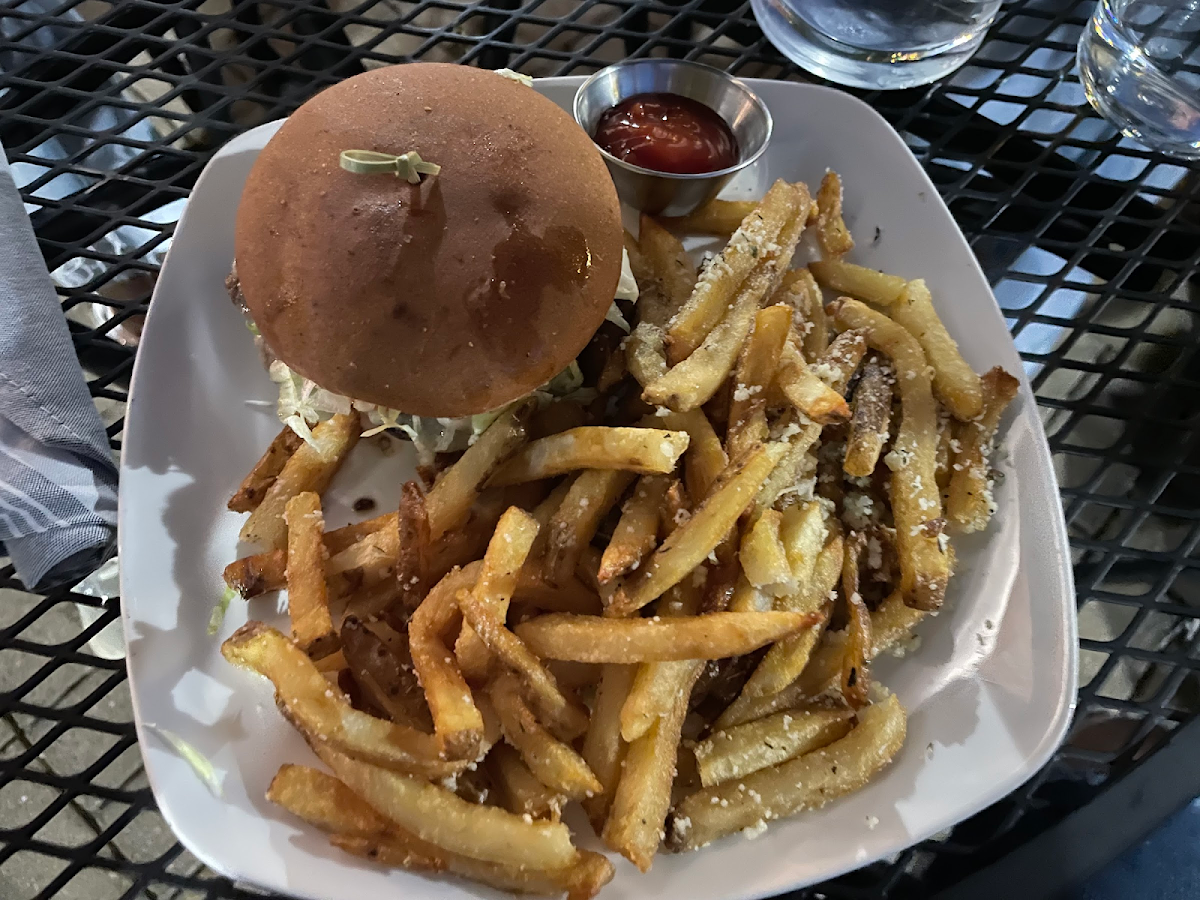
(574, 525)
(843, 357)
(554, 763)
(735, 753)
(719, 282)
(434, 814)
(324, 802)
(871, 422)
(449, 502)
(858, 281)
(645, 356)
(969, 503)
(319, 710)
(690, 544)
(603, 746)
(385, 677)
(637, 530)
(954, 382)
(916, 502)
(832, 234)
(669, 261)
(856, 677)
(752, 378)
(643, 794)
(705, 458)
(807, 782)
(696, 378)
(484, 606)
(310, 468)
(712, 636)
(412, 557)
(892, 624)
(519, 790)
(785, 473)
(717, 217)
(456, 719)
(642, 450)
(308, 601)
(799, 290)
(581, 880)
(255, 485)
(807, 392)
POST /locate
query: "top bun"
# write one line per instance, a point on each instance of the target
(447, 298)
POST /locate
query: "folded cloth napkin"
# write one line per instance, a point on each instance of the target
(58, 481)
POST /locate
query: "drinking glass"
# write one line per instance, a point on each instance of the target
(1139, 61)
(877, 43)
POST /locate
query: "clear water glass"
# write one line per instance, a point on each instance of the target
(1139, 61)
(882, 44)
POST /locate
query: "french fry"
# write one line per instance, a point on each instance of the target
(318, 710)
(807, 392)
(581, 880)
(789, 657)
(756, 367)
(719, 282)
(387, 679)
(449, 502)
(255, 485)
(748, 598)
(258, 573)
(946, 429)
(892, 624)
(484, 607)
(554, 763)
(717, 217)
(832, 234)
(764, 559)
(916, 502)
(858, 281)
(519, 790)
(856, 677)
(799, 290)
(643, 795)
(574, 525)
(323, 801)
(969, 503)
(603, 747)
(735, 753)
(348, 535)
(705, 458)
(674, 270)
(807, 782)
(843, 357)
(871, 421)
(642, 450)
(954, 382)
(783, 476)
(637, 530)
(602, 640)
(645, 353)
(412, 551)
(434, 814)
(693, 380)
(308, 601)
(820, 676)
(310, 468)
(802, 531)
(690, 544)
(456, 718)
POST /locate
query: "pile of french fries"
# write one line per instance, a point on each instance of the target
(663, 604)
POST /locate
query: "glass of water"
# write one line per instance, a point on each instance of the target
(1139, 61)
(877, 43)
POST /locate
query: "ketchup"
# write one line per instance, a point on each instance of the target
(667, 133)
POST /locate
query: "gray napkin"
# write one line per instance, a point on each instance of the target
(58, 481)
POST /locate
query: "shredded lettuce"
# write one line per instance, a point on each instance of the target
(193, 757)
(218, 613)
(627, 288)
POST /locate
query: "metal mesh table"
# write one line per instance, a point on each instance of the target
(109, 110)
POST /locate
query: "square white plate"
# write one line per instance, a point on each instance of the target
(990, 692)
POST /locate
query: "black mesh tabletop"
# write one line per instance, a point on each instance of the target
(109, 111)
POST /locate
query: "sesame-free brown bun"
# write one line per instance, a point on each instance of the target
(447, 298)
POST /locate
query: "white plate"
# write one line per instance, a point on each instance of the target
(990, 692)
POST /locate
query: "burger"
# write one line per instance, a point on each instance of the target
(427, 244)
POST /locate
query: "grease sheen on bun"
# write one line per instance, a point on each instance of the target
(447, 298)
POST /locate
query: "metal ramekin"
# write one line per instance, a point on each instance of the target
(666, 193)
